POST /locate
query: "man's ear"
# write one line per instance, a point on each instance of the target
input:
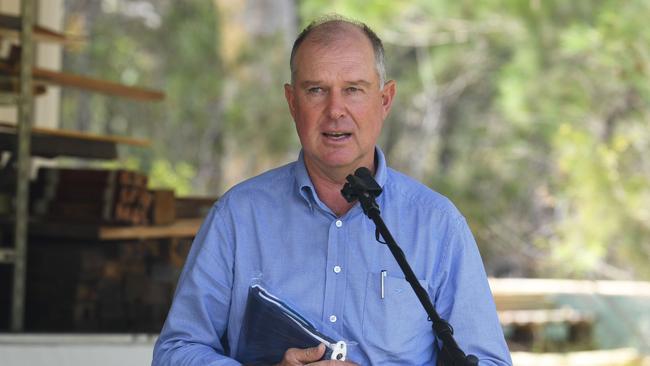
(291, 99)
(387, 95)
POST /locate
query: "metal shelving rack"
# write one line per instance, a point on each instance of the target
(26, 135)
(25, 103)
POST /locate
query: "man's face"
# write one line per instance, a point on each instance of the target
(337, 103)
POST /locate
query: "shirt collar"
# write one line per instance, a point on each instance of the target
(306, 187)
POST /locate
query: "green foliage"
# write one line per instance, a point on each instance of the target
(543, 149)
(257, 116)
(178, 55)
(165, 175)
(161, 172)
(531, 115)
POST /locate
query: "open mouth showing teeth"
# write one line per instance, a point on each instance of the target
(336, 135)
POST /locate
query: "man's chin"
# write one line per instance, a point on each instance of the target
(340, 162)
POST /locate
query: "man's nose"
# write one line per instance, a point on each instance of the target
(336, 106)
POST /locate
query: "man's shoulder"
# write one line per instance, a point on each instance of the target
(269, 182)
(420, 196)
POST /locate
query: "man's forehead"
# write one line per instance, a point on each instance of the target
(341, 51)
(319, 68)
(335, 51)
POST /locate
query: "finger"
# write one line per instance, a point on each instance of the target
(308, 354)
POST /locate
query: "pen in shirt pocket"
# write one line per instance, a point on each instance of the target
(382, 284)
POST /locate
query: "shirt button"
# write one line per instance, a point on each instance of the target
(339, 223)
(337, 269)
(333, 318)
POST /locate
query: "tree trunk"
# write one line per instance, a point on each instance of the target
(245, 28)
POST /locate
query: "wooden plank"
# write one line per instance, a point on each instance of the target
(84, 82)
(51, 143)
(543, 316)
(52, 146)
(7, 126)
(193, 207)
(518, 287)
(163, 210)
(42, 34)
(611, 357)
(10, 26)
(101, 86)
(522, 302)
(184, 228)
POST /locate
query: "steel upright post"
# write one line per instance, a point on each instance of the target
(25, 117)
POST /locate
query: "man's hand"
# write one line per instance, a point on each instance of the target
(309, 356)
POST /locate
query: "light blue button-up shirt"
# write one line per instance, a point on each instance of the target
(330, 267)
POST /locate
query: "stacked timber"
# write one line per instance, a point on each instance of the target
(193, 207)
(76, 286)
(100, 196)
(7, 190)
(163, 207)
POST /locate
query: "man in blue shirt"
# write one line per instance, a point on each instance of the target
(292, 226)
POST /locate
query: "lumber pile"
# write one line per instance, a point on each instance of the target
(109, 197)
(92, 196)
(81, 287)
(533, 320)
(193, 207)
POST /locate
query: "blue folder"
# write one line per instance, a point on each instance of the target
(270, 327)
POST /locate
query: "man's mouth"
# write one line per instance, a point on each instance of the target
(337, 135)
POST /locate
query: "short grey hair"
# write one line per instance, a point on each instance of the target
(333, 24)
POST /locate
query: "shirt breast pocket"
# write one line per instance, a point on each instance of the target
(396, 323)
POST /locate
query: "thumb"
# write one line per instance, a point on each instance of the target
(310, 354)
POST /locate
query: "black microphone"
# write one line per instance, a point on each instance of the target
(361, 184)
(364, 173)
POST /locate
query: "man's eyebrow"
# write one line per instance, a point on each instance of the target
(308, 83)
(360, 82)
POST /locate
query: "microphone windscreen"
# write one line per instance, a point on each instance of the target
(363, 172)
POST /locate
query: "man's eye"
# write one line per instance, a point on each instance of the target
(352, 89)
(315, 90)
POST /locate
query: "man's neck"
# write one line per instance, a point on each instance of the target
(328, 188)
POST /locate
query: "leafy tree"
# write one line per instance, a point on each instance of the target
(531, 115)
(167, 45)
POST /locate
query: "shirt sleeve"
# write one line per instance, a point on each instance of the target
(464, 299)
(198, 317)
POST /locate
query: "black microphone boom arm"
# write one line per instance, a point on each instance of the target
(362, 187)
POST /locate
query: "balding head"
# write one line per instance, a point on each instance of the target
(331, 29)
